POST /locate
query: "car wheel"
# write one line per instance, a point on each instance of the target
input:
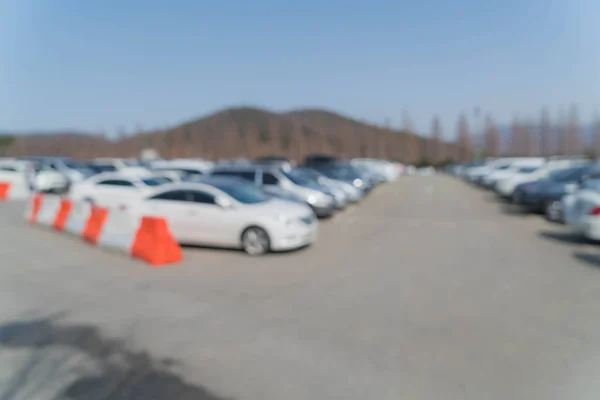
(89, 200)
(553, 211)
(255, 241)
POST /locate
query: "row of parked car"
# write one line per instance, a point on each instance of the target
(259, 206)
(565, 189)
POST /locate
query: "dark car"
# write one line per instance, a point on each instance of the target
(319, 159)
(545, 195)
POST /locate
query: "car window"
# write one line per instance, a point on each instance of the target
(6, 168)
(202, 197)
(104, 167)
(246, 175)
(245, 193)
(270, 179)
(156, 181)
(527, 170)
(173, 195)
(115, 182)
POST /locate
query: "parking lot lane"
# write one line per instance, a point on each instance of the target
(425, 290)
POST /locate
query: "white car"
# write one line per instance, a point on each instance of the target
(388, 170)
(74, 170)
(581, 210)
(509, 168)
(46, 179)
(505, 187)
(232, 213)
(114, 189)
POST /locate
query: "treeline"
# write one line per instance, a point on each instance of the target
(250, 132)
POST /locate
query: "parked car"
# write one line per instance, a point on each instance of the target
(581, 210)
(506, 187)
(318, 159)
(545, 195)
(388, 170)
(115, 189)
(47, 180)
(275, 182)
(106, 164)
(229, 212)
(299, 177)
(275, 161)
(506, 168)
(345, 172)
(353, 194)
(75, 171)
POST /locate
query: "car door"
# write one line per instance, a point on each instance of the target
(113, 192)
(174, 206)
(214, 225)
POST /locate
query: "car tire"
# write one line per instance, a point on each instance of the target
(552, 211)
(255, 241)
(89, 200)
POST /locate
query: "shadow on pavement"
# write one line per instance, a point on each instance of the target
(563, 237)
(588, 258)
(514, 210)
(124, 374)
(492, 198)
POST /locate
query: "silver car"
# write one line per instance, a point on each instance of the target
(278, 183)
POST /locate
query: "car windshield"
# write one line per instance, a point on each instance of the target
(156, 181)
(312, 173)
(340, 172)
(299, 178)
(245, 193)
(503, 167)
(527, 170)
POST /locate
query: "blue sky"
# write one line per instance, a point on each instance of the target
(102, 64)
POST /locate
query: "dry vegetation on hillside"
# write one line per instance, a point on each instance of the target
(246, 132)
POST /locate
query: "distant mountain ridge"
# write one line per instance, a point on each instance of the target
(239, 132)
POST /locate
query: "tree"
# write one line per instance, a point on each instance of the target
(463, 140)
(436, 143)
(595, 147)
(409, 147)
(526, 140)
(492, 144)
(515, 137)
(573, 132)
(545, 134)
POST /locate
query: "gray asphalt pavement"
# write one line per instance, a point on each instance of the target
(431, 289)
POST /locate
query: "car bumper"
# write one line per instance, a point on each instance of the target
(588, 227)
(323, 212)
(295, 238)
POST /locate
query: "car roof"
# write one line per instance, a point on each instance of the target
(121, 175)
(202, 184)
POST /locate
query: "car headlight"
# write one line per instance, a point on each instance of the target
(358, 182)
(311, 200)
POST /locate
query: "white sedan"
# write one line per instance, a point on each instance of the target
(115, 189)
(582, 210)
(228, 212)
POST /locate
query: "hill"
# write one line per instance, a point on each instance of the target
(239, 132)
